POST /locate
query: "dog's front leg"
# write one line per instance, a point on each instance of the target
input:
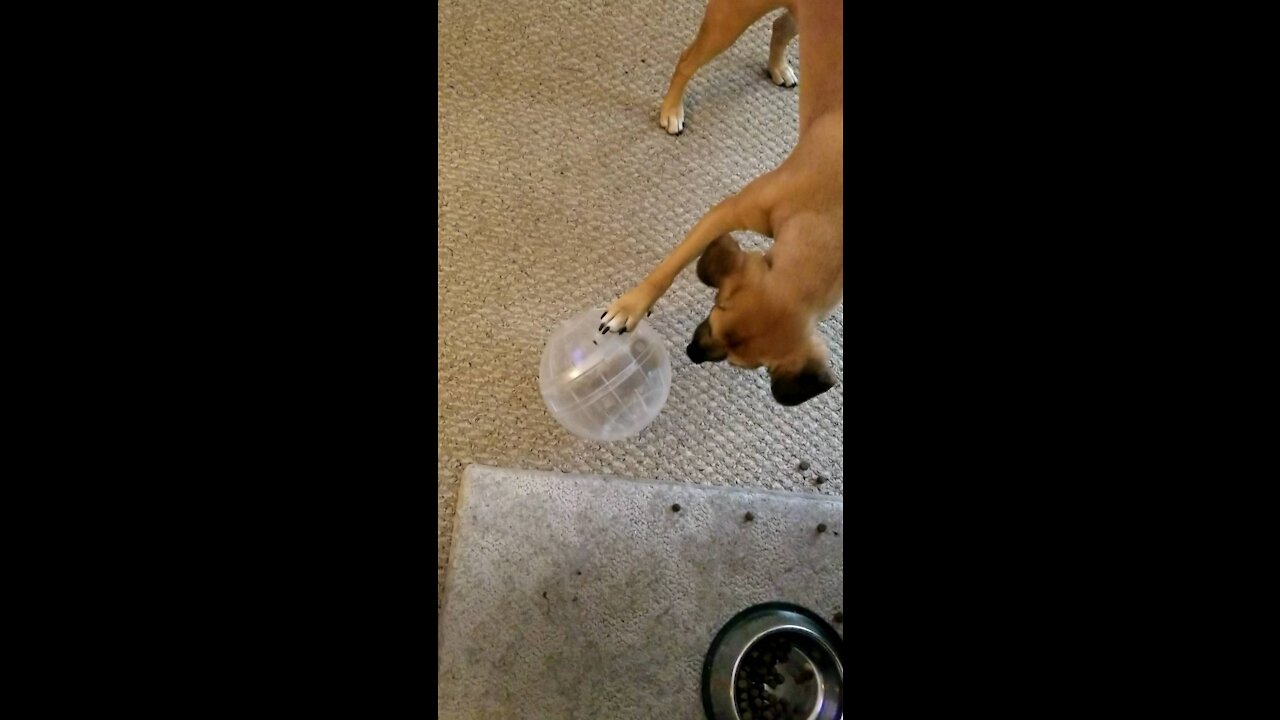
(736, 213)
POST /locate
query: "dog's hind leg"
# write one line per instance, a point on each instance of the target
(784, 30)
(723, 22)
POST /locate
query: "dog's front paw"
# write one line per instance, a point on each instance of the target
(625, 313)
(783, 75)
(672, 117)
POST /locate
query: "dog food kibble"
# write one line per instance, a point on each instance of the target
(749, 517)
(760, 671)
(675, 508)
(804, 464)
(838, 617)
(822, 527)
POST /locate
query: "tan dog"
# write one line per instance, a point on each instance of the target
(768, 304)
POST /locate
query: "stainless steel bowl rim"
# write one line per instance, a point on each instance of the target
(755, 623)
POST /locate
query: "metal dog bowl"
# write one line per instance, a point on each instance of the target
(799, 654)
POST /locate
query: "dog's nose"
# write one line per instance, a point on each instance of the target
(695, 353)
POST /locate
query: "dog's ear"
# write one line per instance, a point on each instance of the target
(720, 258)
(792, 386)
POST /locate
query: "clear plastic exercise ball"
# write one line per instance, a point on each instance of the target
(604, 387)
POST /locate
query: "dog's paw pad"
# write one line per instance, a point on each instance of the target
(783, 76)
(618, 322)
(671, 119)
(625, 313)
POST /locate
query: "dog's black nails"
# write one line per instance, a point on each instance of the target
(648, 313)
(606, 312)
(623, 331)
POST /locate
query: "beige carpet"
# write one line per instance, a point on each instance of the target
(557, 191)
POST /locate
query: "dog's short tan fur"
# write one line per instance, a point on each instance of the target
(767, 304)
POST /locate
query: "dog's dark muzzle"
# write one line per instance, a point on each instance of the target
(703, 348)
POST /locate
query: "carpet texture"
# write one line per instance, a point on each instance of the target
(558, 191)
(589, 597)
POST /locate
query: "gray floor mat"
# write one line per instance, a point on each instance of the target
(589, 597)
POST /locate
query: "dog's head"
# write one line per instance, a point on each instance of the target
(753, 325)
